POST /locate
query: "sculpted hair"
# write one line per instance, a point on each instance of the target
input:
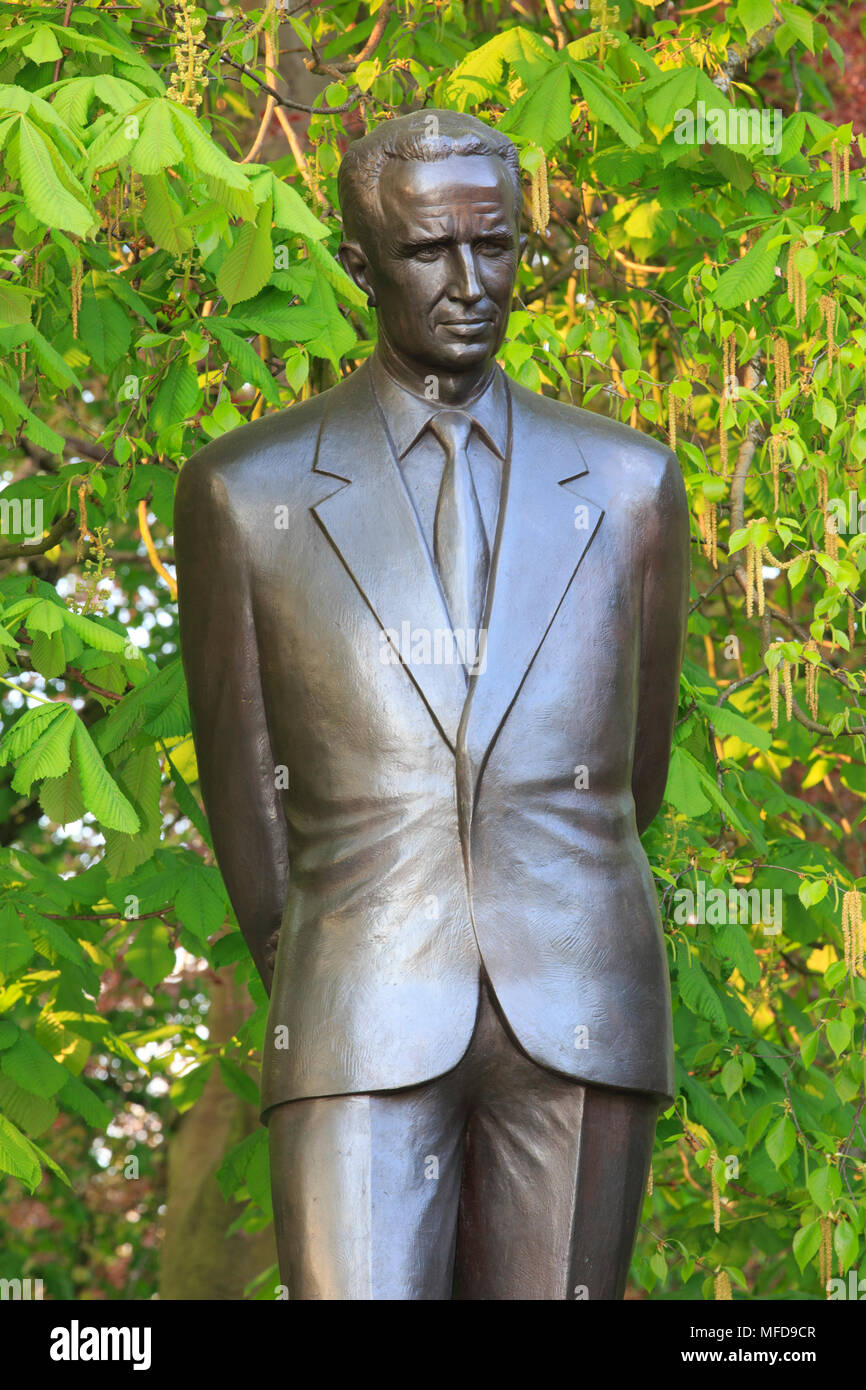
(422, 135)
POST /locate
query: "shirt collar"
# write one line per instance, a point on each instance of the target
(409, 415)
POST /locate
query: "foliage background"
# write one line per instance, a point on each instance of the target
(167, 238)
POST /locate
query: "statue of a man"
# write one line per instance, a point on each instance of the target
(433, 715)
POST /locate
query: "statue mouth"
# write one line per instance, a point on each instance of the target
(466, 327)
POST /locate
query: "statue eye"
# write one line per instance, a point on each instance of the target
(427, 253)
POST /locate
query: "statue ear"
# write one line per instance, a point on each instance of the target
(522, 247)
(356, 265)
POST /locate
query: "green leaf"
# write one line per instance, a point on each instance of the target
(49, 756)
(203, 153)
(732, 1077)
(60, 798)
(809, 1048)
(606, 105)
(807, 1241)
(673, 92)
(16, 947)
(812, 891)
(36, 430)
(752, 276)
(32, 1068)
(14, 304)
(150, 957)
(799, 21)
(51, 363)
(629, 343)
(755, 14)
(186, 1089)
(105, 329)
(163, 215)
(75, 1095)
(28, 730)
(543, 114)
(838, 1035)
(846, 1244)
(825, 1187)
(232, 1170)
(47, 655)
(102, 796)
(781, 1140)
(732, 941)
(178, 397)
(45, 617)
(699, 996)
(57, 201)
(32, 1114)
(248, 265)
(200, 904)
(292, 214)
(43, 46)
(245, 359)
(684, 790)
(95, 634)
(238, 1081)
(728, 723)
(52, 941)
(18, 1156)
(157, 146)
(138, 777)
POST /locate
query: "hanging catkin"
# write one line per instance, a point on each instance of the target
(781, 367)
(774, 697)
(787, 678)
(540, 198)
(852, 931)
(75, 276)
(827, 306)
(722, 1286)
(825, 1253)
(835, 171)
(796, 284)
(717, 1196)
(777, 448)
(811, 673)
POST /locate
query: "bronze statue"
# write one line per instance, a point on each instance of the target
(433, 715)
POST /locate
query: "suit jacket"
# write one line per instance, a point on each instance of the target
(429, 824)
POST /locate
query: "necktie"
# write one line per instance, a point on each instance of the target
(460, 546)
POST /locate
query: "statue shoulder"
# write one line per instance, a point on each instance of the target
(622, 462)
(256, 456)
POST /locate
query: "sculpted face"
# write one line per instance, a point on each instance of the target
(441, 266)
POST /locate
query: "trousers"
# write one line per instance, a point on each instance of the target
(499, 1180)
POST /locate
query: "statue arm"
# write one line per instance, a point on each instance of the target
(663, 631)
(233, 749)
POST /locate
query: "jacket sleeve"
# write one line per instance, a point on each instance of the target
(663, 632)
(233, 749)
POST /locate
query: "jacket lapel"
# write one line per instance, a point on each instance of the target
(371, 524)
(544, 531)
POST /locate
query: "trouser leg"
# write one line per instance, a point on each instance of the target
(366, 1192)
(553, 1182)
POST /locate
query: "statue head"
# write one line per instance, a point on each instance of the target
(431, 214)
